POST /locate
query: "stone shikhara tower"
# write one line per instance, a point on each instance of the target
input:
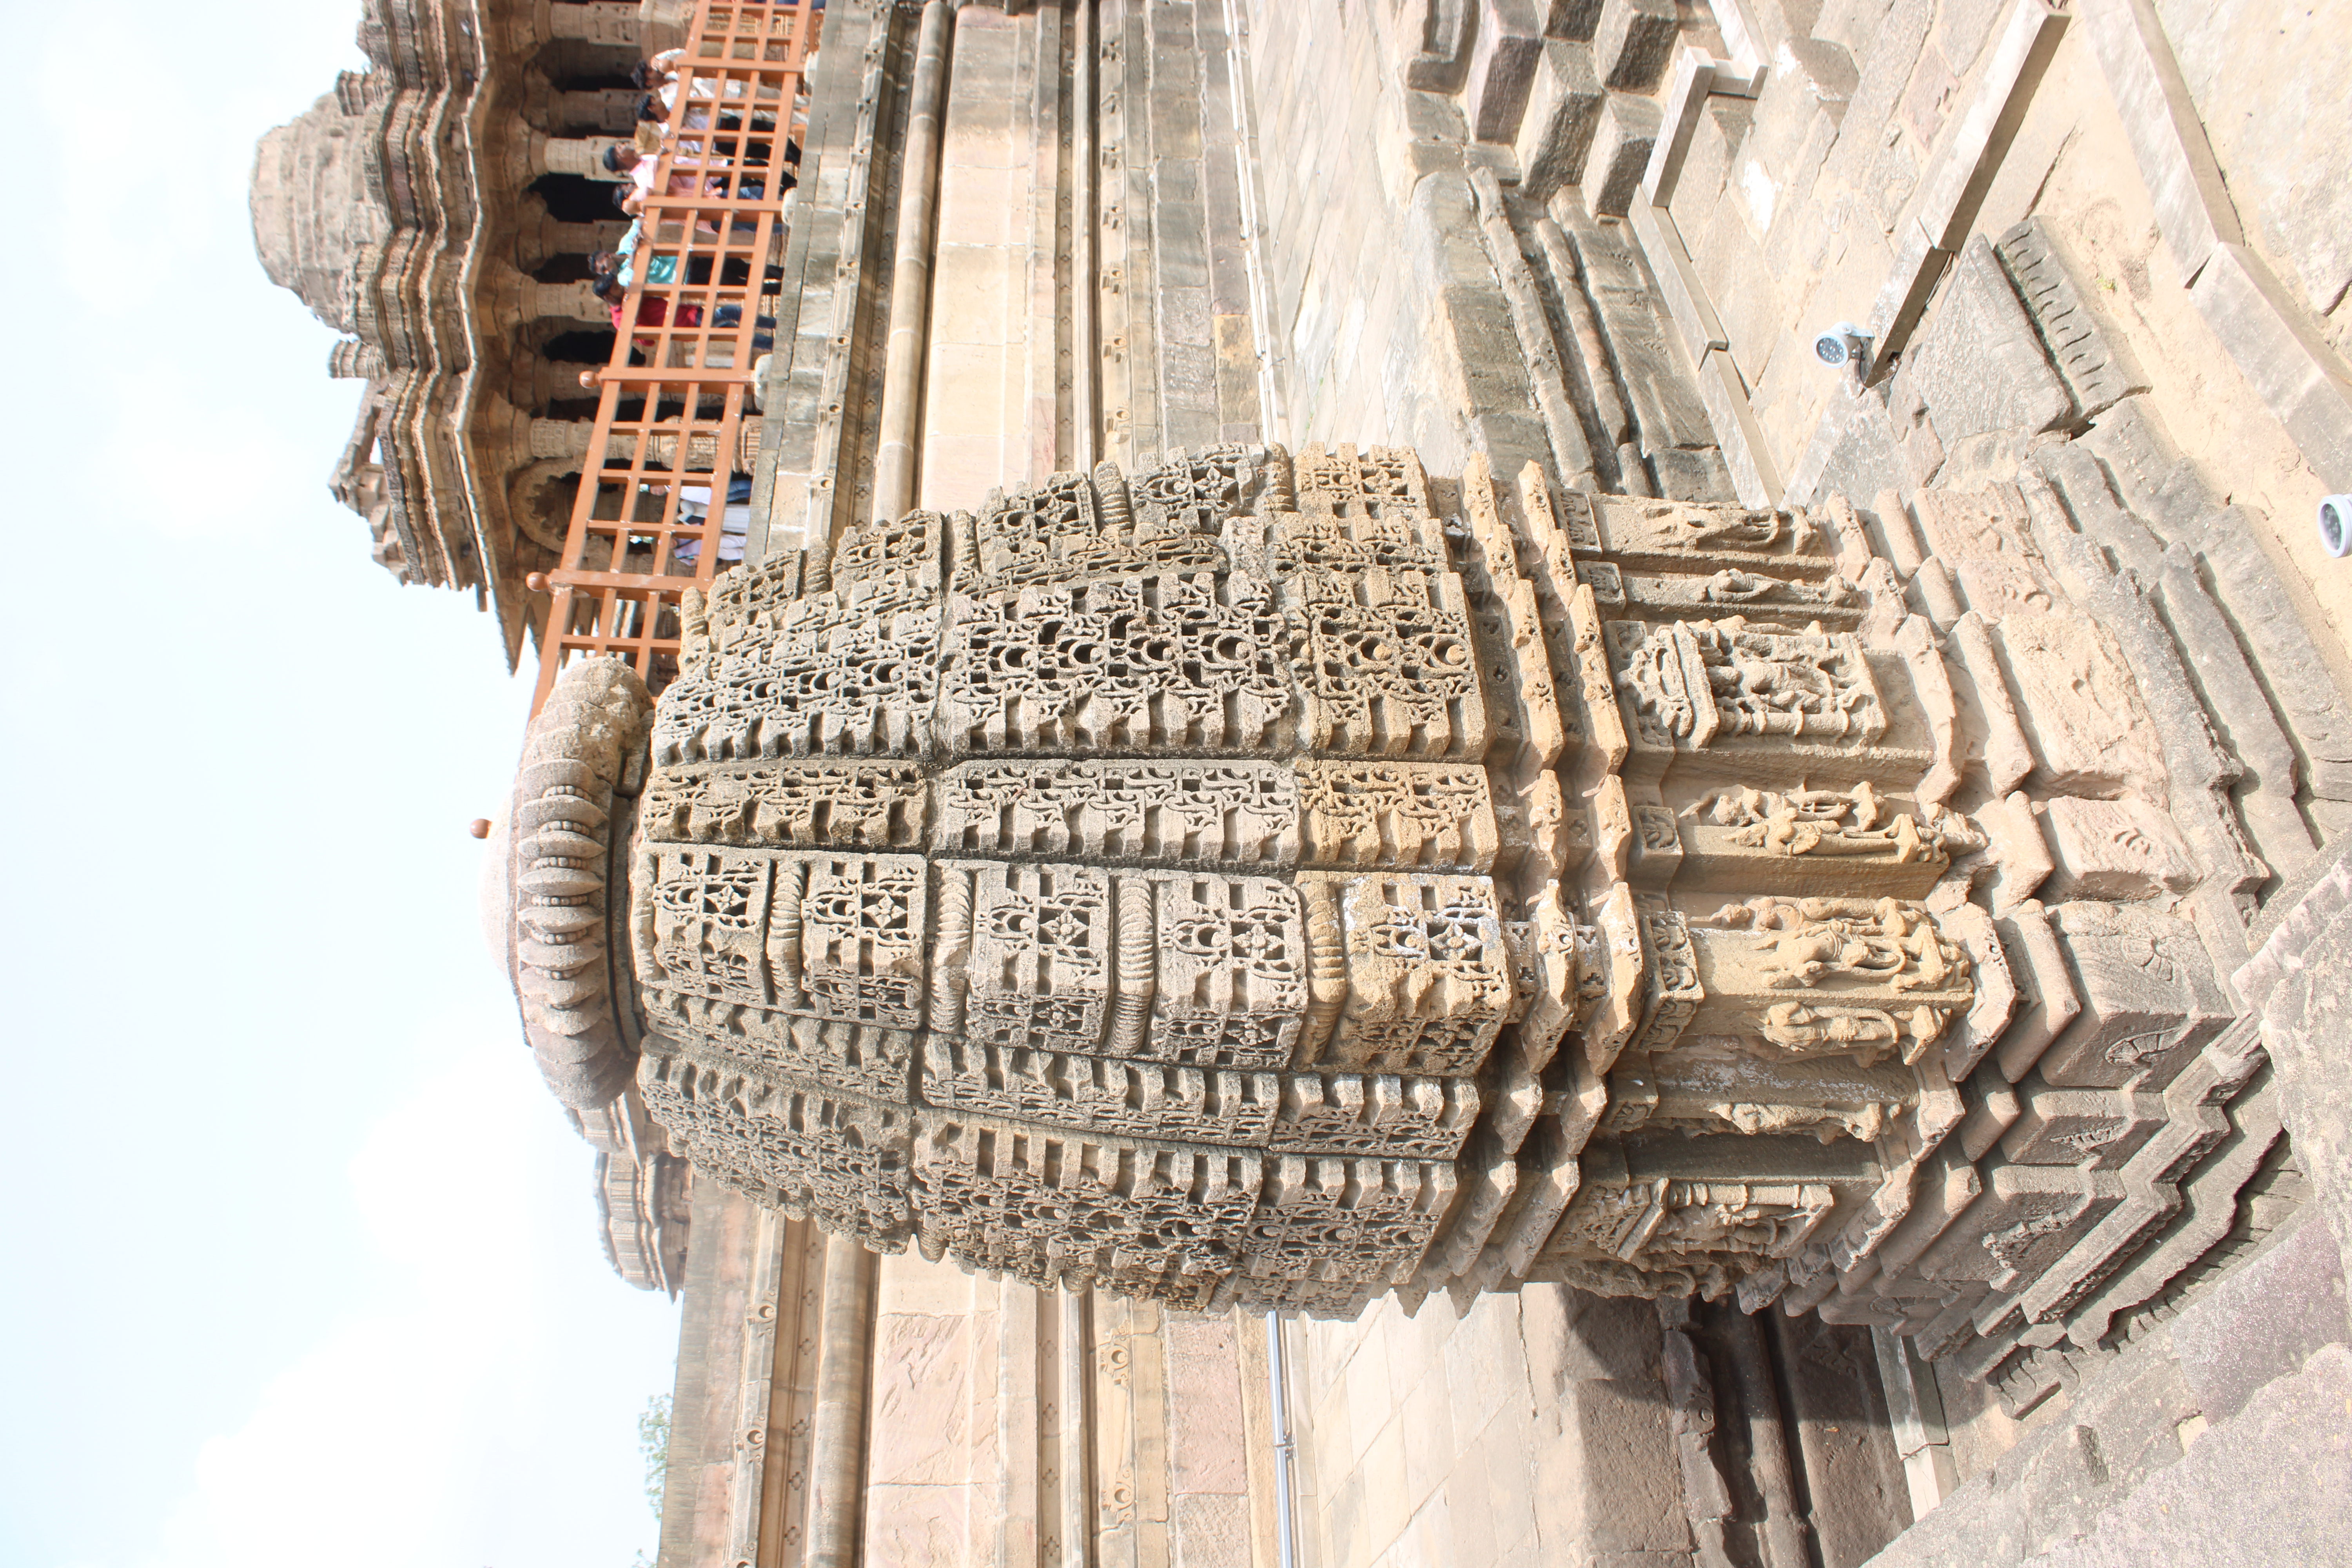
(1606, 810)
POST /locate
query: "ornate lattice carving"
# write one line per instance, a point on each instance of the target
(1396, 813)
(1331, 1233)
(1054, 1208)
(833, 1157)
(862, 1058)
(1377, 480)
(1151, 664)
(1424, 976)
(840, 805)
(1233, 973)
(1163, 814)
(1374, 1114)
(1053, 533)
(1192, 494)
(1387, 667)
(1097, 1094)
(835, 675)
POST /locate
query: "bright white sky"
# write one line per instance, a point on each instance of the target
(306, 1271)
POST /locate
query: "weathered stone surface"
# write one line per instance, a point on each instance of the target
(1623, 131)
(1563, 110)
(2098, 370)
(2148, 995)
(2118, 850)
(1978, 367)
(1632, 41)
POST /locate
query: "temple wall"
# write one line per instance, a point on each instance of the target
(1512, 234)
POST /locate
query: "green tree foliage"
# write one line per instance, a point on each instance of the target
(653, 1442)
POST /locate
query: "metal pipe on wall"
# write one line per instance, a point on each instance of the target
(1285, 1449)
(838, 1445)
(1084, 363)
(910, 272)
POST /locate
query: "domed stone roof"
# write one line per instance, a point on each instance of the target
(312, 210)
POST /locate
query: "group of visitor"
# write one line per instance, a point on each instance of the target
(725, 137)
(697, 167)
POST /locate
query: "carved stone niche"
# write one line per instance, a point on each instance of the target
(1695, 538)
(1815, 842)
(1791, 604)
(1674, 1215)
(1728, 701)
(2149, 995)
(1821, 978)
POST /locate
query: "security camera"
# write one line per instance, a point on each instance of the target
(2336, 524)
(1843, 345)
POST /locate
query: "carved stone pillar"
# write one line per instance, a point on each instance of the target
(534, 152)
(612, 109)
(536, 382)
(541, 237)
(612, 22)
(564, 438)
(512, 298)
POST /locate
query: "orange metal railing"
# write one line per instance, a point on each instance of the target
(650, 519)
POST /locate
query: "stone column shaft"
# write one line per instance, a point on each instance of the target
(837, 1496)
(910, 280)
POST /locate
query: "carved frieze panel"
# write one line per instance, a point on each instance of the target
(1806, 977)
(1192, 494)
(1395, 540)
(1329, 1230)
(1689, 685)
(1054, 533)
(863, 1057)
(1136, 1100)
(701, 923)
(1791, 603)
(1042, 972)
(835, 676)
(1421, 981)
(1176, 813)
(1056, 1208)
(1817, 841)
(803, 804)
(1377, 479)
(1386, 665)
(1396, 813)
(860, 947)
(1152, 664)
(1378, 1114)
(1234, 972)
(837, 1158)
(1696, 537)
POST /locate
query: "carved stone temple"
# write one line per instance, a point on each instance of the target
(1332, 717)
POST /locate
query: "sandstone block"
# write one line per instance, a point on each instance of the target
(1632, 41)
(1978, 366)
(1562, 111)
(1502, 62)
(1623, 131)
(2149, 997)
(2120, 850)
(2079, 706)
